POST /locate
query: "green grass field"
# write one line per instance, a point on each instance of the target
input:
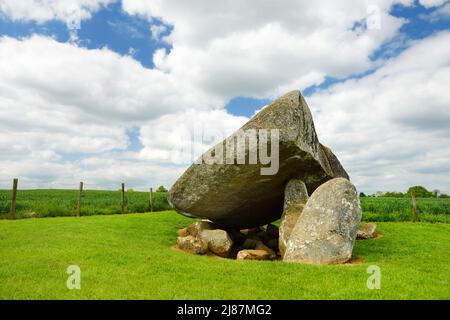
(52, 203)
(130, 257)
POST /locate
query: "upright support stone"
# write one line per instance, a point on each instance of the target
(295, 198)
(326, 230)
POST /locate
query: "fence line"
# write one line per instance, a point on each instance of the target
(122, 199)
(414, 208)
(12, 212)
(151, 199)
(81, 187)
(80, 194)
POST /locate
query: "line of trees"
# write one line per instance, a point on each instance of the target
(160, 189)
(418, 191)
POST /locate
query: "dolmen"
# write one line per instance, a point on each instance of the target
(273, 168)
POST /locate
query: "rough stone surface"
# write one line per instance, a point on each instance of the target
(237, 195)
(262, 246)
(195, 228)
(326, 230)
(295, 198)
(182, 232)
(253, 233)
(253, 255)
(250, 243)
(219, 242)
(272, 232)
(238, 237)
(192, 245)
(273, 244)
(367, 231)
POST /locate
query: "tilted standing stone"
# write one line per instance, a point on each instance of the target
(295, 198)
(326, 230)
(238, 195)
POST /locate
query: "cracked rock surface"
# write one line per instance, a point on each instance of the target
(237, 195)
(295, 198)
(326, 230)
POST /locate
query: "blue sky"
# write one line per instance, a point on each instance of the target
(110, 27)
(187, 73)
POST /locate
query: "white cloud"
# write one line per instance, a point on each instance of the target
(100, 84)
(432, 3)
(181, 138)
(45, 10)
(65, 111)
(157, 30)
(441, 13)
(237, 48)
(390, 128)
(104, 171)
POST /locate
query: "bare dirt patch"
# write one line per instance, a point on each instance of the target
(376, 236)
(354, 261)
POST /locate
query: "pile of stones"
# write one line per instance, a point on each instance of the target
(310, 193)
(205, 237)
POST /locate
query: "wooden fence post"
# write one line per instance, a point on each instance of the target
(80, 192)
(122, 199)
(151, 199)
(12, 211)
(414, 207)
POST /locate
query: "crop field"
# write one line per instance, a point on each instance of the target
(400, 209)
(52, 203)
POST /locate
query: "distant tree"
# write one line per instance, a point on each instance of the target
(394, 195)
(130, 190)
(436, 192)
(161, 189)
(380, 194)
(419, 192)
(362, 195)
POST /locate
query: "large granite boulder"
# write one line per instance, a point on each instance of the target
(192, 245)
(219, 242)
(199, 226)
(240, 195)
(326, 230)
(295, 198)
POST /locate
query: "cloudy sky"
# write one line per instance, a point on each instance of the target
(120, 95)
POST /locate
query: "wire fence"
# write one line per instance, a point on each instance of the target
(78, 199)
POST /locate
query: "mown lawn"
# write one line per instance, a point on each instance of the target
(130, 257)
